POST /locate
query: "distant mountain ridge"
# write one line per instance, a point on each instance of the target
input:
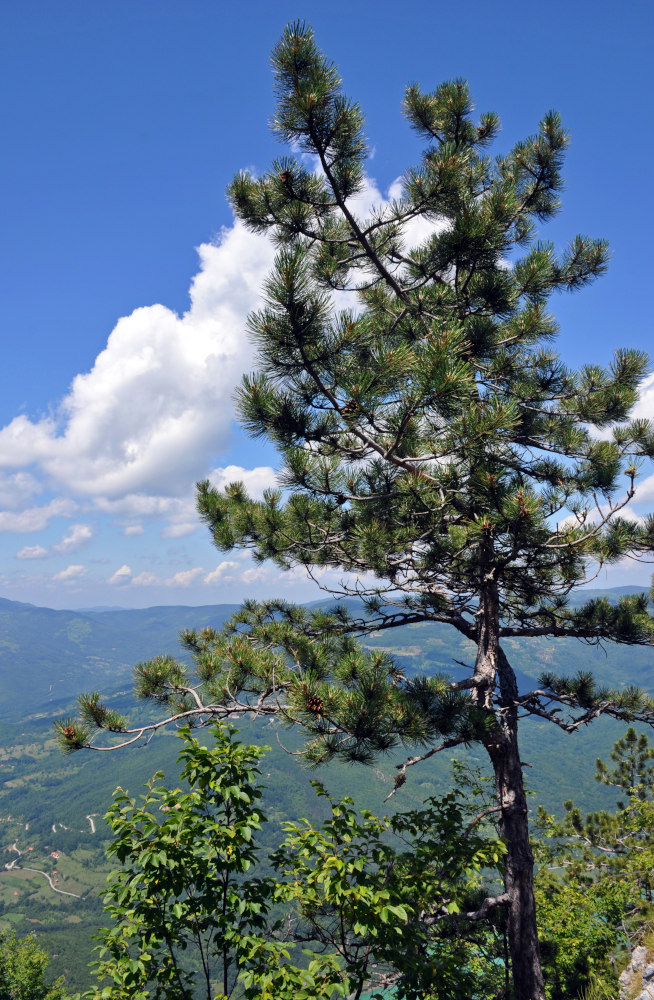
(48, 657)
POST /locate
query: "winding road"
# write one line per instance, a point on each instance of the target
(15, 866)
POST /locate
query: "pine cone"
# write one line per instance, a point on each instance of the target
(350, 409)
(315, 704)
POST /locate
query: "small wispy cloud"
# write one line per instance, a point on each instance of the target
(71, 573)
(133, 529)
(254, 575)
(644, 408)
(179, 530)
(76, 536)
(185, 577)
(122, 575)
(32, 552)
(17, 489)
(36, 518)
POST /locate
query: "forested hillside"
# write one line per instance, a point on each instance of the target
(51, 806)
(47, 656)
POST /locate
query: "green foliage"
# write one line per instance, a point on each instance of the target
(22, 970)
(189, 916)
(42, 788)
(633, 771)
(392, 909)
(180, 887)
(594, 884)
(579, 921)
(353, 700)
(374, 901)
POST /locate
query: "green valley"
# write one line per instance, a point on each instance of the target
(52, 833)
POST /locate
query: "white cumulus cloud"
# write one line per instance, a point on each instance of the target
(157, 402)
(138, 428)
(223, 572)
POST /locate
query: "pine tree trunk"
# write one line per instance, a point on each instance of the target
(519, 862)
(492, 665)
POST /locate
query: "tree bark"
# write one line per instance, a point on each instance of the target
(491, 666)
(522, 929)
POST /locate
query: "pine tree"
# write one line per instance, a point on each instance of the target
(593, 887)
(435, 450)
(634, 772)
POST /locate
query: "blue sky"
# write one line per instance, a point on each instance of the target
(125, 284)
